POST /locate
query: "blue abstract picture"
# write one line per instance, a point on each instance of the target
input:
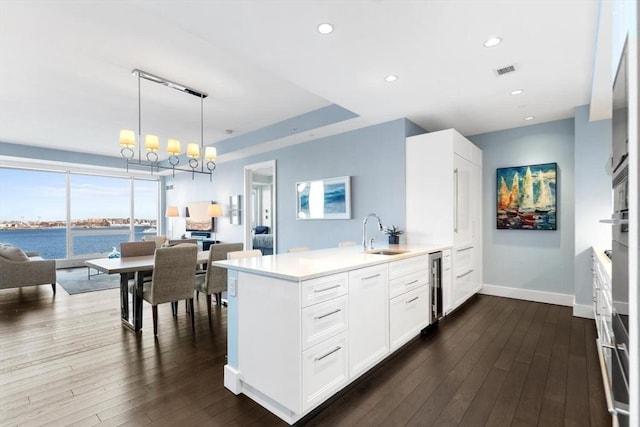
(324, 199)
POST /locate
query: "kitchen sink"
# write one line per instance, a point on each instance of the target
(385, 252)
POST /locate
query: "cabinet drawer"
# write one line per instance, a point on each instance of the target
(406, 266)
(406, 283)
(323, 289)
(324, 320)
(446, 258)
(408, 314)
(463, 257)
(324, 370)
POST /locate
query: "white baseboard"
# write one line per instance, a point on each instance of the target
(232, 379)
(585, 311)
(528, 295)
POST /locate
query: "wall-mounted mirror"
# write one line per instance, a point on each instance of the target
(259, 214)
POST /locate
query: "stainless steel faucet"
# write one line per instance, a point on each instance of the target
(364, 230)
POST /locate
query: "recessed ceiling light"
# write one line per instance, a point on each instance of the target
(493, 41)
(391, 78)
(516, 92)
(529, 118)
(325, 28)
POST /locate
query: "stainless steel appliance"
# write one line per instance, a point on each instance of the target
(620, 249)
(435, 283)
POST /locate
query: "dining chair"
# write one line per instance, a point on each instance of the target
(173, 242)
(347, 243)
(159, 240)
(174, 272)
(131, 249)
(298, 249)
(213, 280)
(250, 253)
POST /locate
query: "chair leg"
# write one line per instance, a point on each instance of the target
(53, 286)
(193, 323)
(209, 306)
(174, 308)
(154, 309)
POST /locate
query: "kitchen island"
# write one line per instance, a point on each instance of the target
(302, 326)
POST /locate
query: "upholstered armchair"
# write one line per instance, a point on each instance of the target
(19, 269)
(213, 280)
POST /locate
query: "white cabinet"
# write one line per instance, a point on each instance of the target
(324, 370)
(368, 318)
(444, 206)
(602, 307)
(447, 282)
(408, 299)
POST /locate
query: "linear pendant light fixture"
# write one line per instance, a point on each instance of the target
(152, 143)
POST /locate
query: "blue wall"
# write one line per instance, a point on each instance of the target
(533, 260)
(372, 156)
(593, 196)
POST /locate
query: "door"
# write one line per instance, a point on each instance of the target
(260, 206)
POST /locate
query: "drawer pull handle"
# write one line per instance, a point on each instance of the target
(464, 249)
(411, 283)
(338, 310)
(371, 277)
(465, 274)
(317, 359)
(412, 300)
(317, 291)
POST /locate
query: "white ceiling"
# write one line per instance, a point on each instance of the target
(66, 82)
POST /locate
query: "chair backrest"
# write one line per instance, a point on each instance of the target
(174, 273)
(216, 279)
(159, 240)
(345, 244)
(298, 249)
(129, 249)
(244, 254)
(173, 242)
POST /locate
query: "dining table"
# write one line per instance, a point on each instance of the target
(131, 318)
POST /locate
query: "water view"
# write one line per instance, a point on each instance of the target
(52, 242)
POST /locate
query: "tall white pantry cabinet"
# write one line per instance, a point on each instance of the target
(444, 206)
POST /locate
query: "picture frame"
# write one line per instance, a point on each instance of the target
(235, 211)
(328, 198)
(527, 197)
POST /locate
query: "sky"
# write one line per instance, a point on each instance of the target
(36, 195)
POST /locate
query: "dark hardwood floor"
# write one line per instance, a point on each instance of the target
(65, 360)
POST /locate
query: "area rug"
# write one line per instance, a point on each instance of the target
(76, 281)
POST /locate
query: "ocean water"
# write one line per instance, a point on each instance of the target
(52, 242)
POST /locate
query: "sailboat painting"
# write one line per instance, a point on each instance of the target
(527, 197)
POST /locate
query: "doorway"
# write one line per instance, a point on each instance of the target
(259, 211)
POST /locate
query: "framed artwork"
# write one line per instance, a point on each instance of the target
(235, 212)
(527, 197)
(197, 217)
(324, 199)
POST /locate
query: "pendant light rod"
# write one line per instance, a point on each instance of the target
(169, 83)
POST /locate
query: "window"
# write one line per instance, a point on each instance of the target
(100, 212)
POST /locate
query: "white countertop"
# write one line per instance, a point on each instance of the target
(311, 264)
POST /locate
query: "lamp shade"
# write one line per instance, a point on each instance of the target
(193, 150)
(210, 153)
(214, 210)
(127, 138)
(173, 147)
(172, 211)
(151, 143)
